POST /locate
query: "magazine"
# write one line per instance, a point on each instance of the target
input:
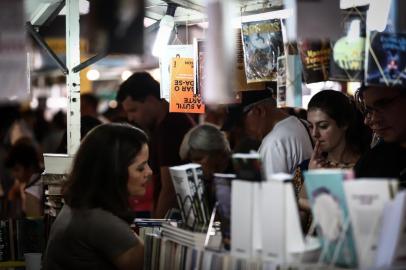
(315, 56)
(386, 59)
(263, 44)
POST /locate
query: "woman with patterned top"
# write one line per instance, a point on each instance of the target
(340, 138)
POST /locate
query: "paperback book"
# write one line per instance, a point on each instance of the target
(263, 44)
(248, 167)
(326, 194)
(386, 59)
(315, 56)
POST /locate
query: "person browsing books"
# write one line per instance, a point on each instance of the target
(92, 231)
(384, 108)
(206, 145)
(140, 98)
(285, 141)
(340, 138)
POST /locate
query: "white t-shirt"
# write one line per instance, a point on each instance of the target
(285, 146)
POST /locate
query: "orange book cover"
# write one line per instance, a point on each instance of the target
(182, 97)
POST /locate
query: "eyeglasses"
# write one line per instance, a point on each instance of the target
(380, 105)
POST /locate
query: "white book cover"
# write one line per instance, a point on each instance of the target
(181, 178)
(392, 240)
(282, 233)
(170, 52)
(366, 199)
(242, 229)
(198, 174)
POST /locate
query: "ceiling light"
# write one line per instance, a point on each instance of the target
(165, 30)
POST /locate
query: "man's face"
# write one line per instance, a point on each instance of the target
(386, 111)
(140, 113)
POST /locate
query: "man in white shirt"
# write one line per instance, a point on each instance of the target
(285, 139)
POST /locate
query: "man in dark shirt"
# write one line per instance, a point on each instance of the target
(140, 98)
(385, 111)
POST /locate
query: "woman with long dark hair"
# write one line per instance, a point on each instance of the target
(339, 135)
(92, 230)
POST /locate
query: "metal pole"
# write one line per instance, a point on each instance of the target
(73, 79)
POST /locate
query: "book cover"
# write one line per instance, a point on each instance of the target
(201, 193)
(366, 199)
(392, 239)
(170, 52)
(348, 52)
(326, 194)
(248, 167)
(386, 59)
(263, 44)
(182, 176)
(315, 56)
(222, 186)
(182, 97)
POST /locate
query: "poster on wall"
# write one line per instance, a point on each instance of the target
(348, 52)
(182, 98)
(14, 69)
(263, 44)
(315, 56)
(386, 59)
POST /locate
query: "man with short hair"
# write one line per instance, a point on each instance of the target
(285, 139)
(140, 98)
(385, 109)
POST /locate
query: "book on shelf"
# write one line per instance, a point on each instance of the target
(245, 218)
(366, 199)
(391, 251)
(248, 167)
(190, 194)
(194, 238)
(282, 236)
(263, 44)
(222, 186)
(326, 194)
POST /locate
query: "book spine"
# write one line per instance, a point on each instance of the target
(194, 195)
(201, 193)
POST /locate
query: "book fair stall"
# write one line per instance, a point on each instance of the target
(209, 56)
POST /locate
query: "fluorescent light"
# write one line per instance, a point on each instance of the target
(164, 33)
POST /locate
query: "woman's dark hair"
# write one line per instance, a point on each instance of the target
(100, 170)
(343, 111)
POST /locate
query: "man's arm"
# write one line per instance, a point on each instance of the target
(167, 197)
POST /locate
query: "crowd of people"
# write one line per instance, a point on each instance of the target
(122, 170)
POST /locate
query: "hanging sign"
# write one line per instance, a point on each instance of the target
(182, 97)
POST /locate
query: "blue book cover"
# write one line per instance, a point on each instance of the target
(386, 59)
(327, 198)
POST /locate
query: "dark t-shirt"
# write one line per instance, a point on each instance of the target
(384, 160)
(165, 143)
(87, 239)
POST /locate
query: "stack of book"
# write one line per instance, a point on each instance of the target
(189, 187)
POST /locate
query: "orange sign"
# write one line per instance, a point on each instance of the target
(182, 98)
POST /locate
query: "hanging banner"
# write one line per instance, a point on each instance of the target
(183, 99)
